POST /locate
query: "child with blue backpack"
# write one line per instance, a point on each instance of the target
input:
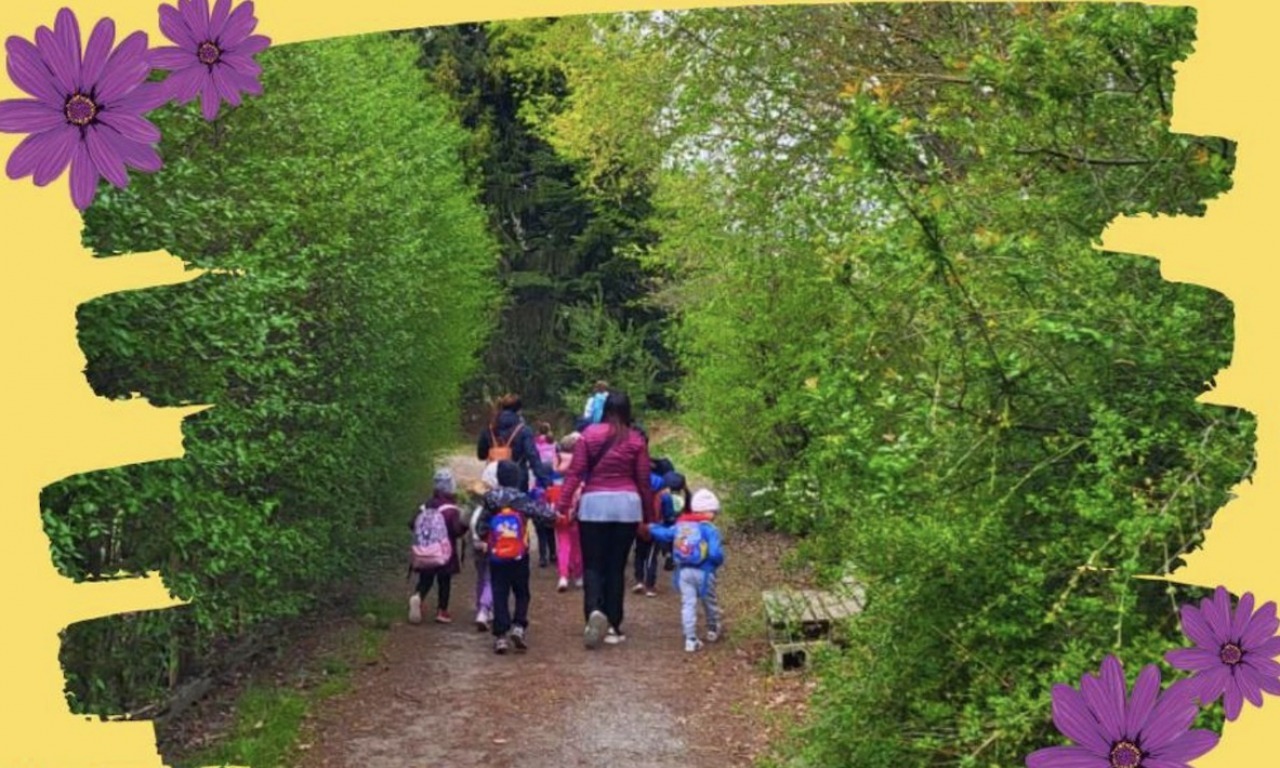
(698, 552)
(502, 528)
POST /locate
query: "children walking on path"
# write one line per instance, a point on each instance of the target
(437, 528)
(698, 553)
(503, 529)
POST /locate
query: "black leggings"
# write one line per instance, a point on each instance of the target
(446, 581)
(605, 547)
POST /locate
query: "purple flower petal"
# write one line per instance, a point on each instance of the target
(101, 39)
(209, 99)
(174, 27)
(39, 150)
(106, 158)
(1239, 619)
(130, 126)
(1232, 698)
(1172, 715)
(242, 82)
(1146, 689)
(184, 85)
(140, 156)
(125, 70)
(142, 99)
(221, 9)
(1105, 696)
(56, 155)
(251, 45)
(1212, 683)
(84, 178)
(1197, 628)
(240, 25)
(1186, 747)
(1270, 685)
(1261, 627)
(1269, 648)
(1247, 679)
(1261, 665)
(1065, 757)
(241, 63)
(67, 30)
(224, 87)
(1219, 614)
(1073, 718)
(65, 65)
(29, 116)
(1193, 658)
(30, 72)
(196, 14)
(172, 58)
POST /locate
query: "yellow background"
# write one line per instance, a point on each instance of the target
(53, 426)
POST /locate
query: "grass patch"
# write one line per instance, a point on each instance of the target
(269, 718)
(265, 731)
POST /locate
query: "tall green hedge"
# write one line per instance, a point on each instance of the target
(352, 291)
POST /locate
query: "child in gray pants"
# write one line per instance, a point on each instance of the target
(697, 550)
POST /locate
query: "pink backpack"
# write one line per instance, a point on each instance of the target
(431, 548)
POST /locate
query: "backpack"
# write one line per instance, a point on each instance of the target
(595, 407)
(690, 547)
(431, 548)
(508, 540)
(502, 451)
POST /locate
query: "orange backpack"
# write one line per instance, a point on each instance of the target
(502, 451)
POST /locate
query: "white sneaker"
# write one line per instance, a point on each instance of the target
(577, 583)
(415, 608)
(712, 635)
(614, 637)
(594, 632)
(638, 588)
(562, 585)
(692, 645)
(482, 621)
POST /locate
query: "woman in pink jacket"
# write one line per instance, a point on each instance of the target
(611, 463)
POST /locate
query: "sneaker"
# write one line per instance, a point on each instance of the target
(592, 635)
(443, 617)
(712, 635)
(415, 608)
(482, 621)
(692, 645)
(650, 593)
(669, 565)
(614, 637)
(500, 646)
(577, 583)
(517, 639)
(562, 585)
(638, 588)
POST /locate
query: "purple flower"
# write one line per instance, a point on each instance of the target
(1145, 730)
(1233, 653)
(213, 58)
(87, 111)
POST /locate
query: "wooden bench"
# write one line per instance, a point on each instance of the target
(801, 621)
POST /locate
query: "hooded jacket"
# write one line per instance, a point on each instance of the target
(715, 547)
(524, 451)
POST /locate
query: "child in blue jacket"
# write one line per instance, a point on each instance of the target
(698, 553)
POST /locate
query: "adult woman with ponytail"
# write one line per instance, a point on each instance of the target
(611, 463)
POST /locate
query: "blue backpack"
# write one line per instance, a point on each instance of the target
(596, 413)
(508, 536)
(690, 548)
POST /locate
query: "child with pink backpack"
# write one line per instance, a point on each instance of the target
(434, 555)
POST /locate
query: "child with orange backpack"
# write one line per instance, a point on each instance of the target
(503, 530)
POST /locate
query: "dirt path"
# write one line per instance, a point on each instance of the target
(441, 698)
